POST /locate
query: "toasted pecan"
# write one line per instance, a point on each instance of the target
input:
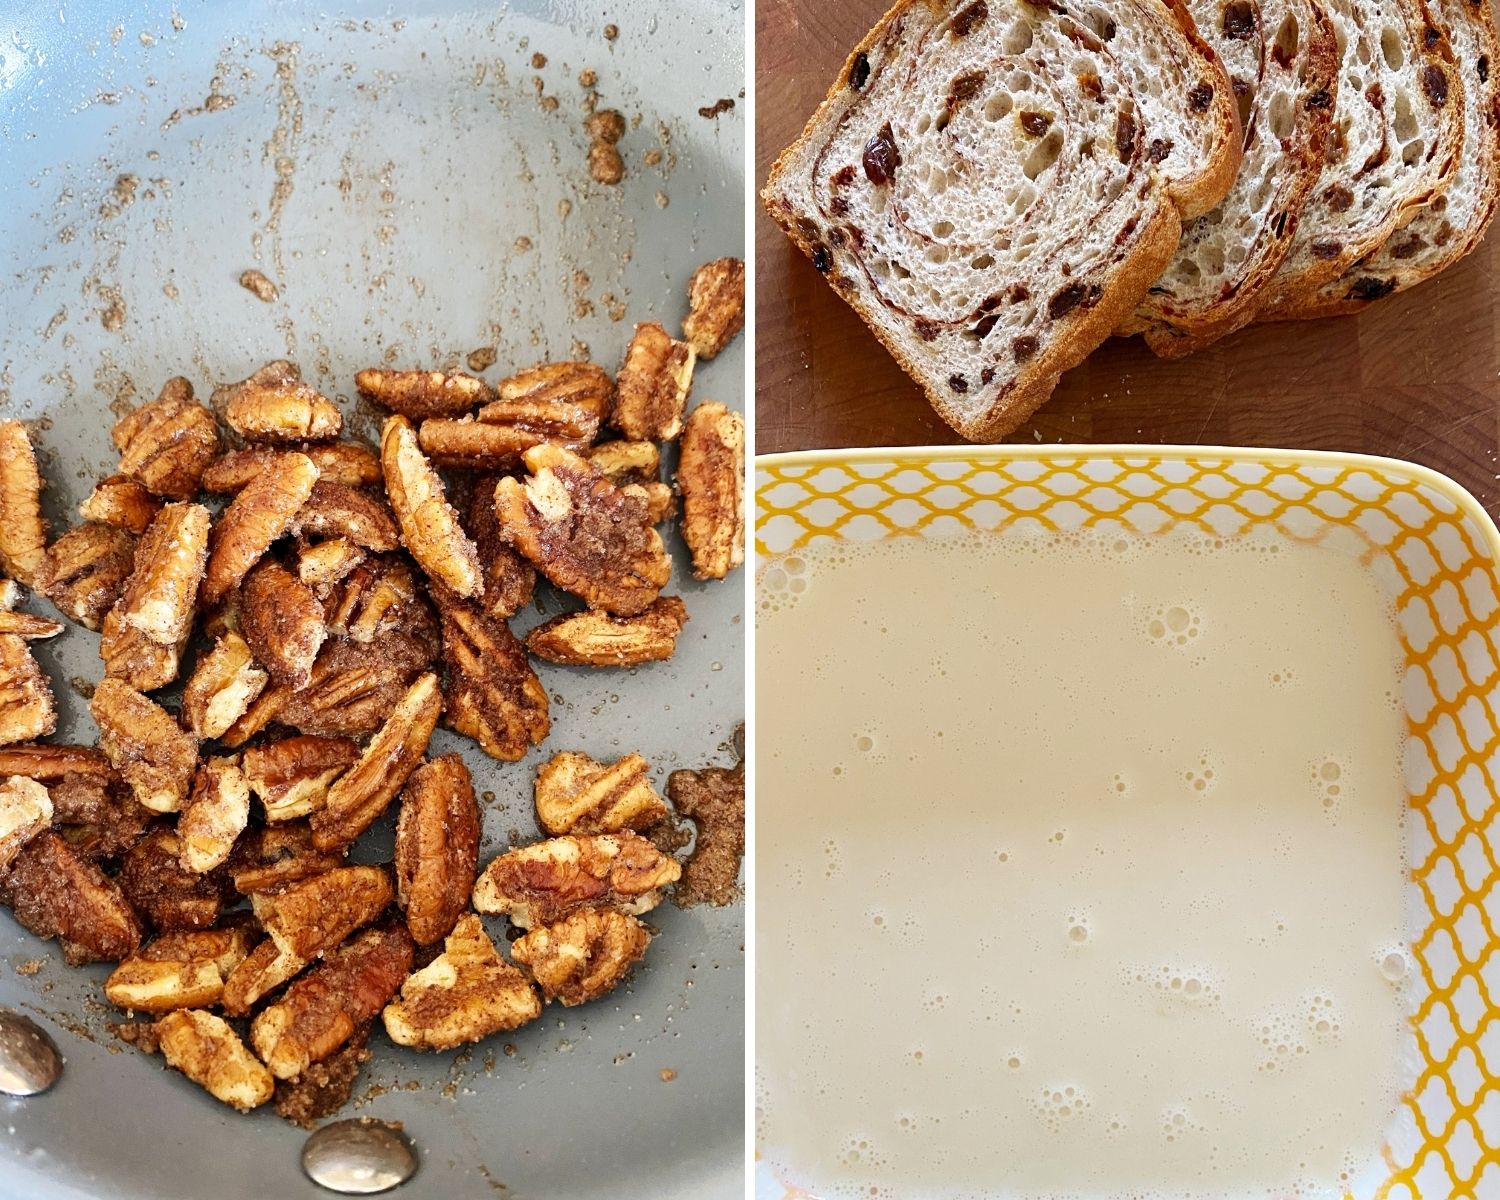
(312, 915)
(166, 445)
(275, 405)
(714, 800)
(418, 395)
(208, 1051)
(272, 855)
(337, 510)
(97, 816)
(224, 684)
(291, 776)
(27, 709)
(323, 1009)
(583, 533)
(472, 445)
(23, 535)
(283, 623)
(133, 658)
(349, 464)
(378, 596)
(429, 526)
(437, 847)
(215, 814)
(85, 571)
(564, 402)
(263, 970)
(55, 892)
(152, 753)
(26, 810)
(51, 763)
(584, 956)
(467, 993)
(493, 694)
(162, 889)
(596, 639)
(261, 512)
(654, 384)
(575, 794)
(322, 565)
(509, 580)
(160, 595)
(711, 478)
(121, 503)
(660, 499)
(716, 302)
(626, 461)
(184, 969)
(352, 691)
(362, 793)
(542, 883)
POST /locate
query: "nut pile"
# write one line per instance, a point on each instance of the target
(321, 625)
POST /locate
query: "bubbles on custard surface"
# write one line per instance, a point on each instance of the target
(1202, 778)
(1080, 929)
(1060, 1105)
(1394, 964)
(1175, 625)
(1329, 777)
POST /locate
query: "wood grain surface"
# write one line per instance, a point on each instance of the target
(1415, 377)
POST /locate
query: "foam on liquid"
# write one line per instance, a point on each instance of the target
(1080, 868)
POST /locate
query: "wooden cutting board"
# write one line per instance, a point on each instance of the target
(1415, 377)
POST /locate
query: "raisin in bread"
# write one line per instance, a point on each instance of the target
(980, 186)
(1450, 225)
(1397, 132)
(1282, 59)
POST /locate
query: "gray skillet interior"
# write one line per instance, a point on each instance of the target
(387, 166)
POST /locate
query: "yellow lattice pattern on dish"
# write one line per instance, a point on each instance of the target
(1436, 551)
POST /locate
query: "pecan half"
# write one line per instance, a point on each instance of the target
(711, 478)
(323, 1009)
(23, 536)
(209, 1052)
(716, 303)
(583, 533)
(156, 883)
(274, 405)
(99, 817)
(291, 777)
(54, 892)
(273, 855)
(575, 794)
(264, 709)
(509, 580)
(121, 503)
(313, 915)
(660, 499)
(151, 751)
(337, 510)
(223, 685)
(362, 793)
(26, 810)
(379, 596)
(654, 384)
(429, 526)
(596, 639)
(322, 565)
(85, 571)
(714, 800)
(160, 594)
(27, 709)
(51, 764)
(261, 512)
(348, 464)
(264, 970)
(564, 401)
(583, 956)
(179, 970)
(437, 847)
(133, 658)
(471, 445)
(283, 623)
(215, 814)
(166, 445)
(467, 993)
(626, 462)
(352, 692)
(419, 395)
(493, 695)
(545, 882)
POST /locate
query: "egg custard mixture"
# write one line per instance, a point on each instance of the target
(1081, 868)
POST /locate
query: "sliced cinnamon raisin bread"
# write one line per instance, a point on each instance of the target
(1397, 132)
(1282, 58)
(1450, 225)
(980, 186)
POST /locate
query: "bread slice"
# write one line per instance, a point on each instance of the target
(1282, 58)
(1397, 133)
(979, 185)
(1451, 225)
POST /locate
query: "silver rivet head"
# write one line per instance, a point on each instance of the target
(359, 1157)
(29, 1059)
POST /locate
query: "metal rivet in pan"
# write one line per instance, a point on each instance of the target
(29, 1059)
(359, 1157)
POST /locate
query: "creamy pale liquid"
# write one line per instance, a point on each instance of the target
(1080, 868)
